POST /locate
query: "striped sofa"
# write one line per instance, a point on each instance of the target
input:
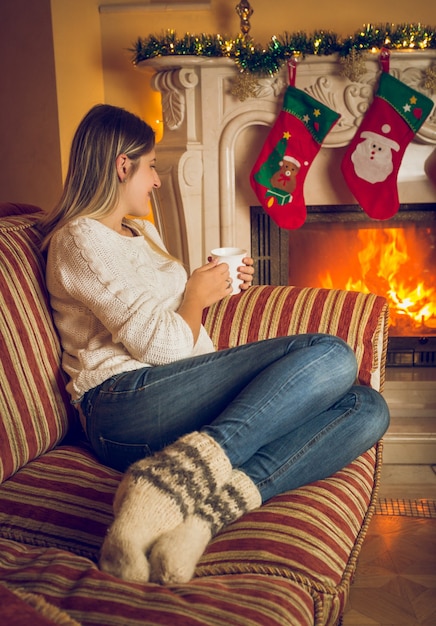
(289, 562)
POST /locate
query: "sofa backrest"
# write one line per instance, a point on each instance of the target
(262, 312)
(34, 408)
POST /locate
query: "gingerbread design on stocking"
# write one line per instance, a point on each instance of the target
(286, 177)
(281, 168)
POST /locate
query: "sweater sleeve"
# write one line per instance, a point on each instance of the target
(123, 287)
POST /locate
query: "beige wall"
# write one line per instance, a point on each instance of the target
(59, 57)
(29, 136)
(78, 64)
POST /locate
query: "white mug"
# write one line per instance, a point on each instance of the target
(233, 257)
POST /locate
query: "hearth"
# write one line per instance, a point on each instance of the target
(411, 352)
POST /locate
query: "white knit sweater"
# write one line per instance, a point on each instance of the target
(114, 300)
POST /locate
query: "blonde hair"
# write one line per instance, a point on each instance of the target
(92, 183)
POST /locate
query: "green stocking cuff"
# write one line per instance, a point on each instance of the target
(316, 117)
(411, 105)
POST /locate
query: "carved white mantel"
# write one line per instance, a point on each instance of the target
(212, 139)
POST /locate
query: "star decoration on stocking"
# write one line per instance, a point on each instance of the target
(407, 108)
(353, 66)
(244, 86)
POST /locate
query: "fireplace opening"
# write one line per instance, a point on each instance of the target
(340, 247)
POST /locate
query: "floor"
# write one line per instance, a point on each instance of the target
(395, 581)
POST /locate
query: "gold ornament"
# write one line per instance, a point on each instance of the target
(430, 78)
(244, 10)
(353, 66)
(244, 86)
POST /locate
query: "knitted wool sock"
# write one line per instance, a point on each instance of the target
(155, 495)
(175, 554)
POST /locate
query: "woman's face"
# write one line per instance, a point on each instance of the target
(138, 186)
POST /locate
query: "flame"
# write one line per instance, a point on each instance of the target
(391, 265)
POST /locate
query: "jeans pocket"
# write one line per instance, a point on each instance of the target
(120, 456)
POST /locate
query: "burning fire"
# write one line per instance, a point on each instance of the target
(391, 265)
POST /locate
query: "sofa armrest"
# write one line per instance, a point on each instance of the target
(263, 312)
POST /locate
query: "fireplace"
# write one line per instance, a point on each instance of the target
(340, 247)
(211, 140)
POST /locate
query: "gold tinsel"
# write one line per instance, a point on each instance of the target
(244, 86)
(430, 78)
(353, 66)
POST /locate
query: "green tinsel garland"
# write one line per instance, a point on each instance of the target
(252, 57)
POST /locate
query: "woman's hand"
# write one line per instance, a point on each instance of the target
(209, 283)
(246, 272)
(206, 285)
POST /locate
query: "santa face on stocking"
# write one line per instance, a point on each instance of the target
(371, 163)
(372, 158)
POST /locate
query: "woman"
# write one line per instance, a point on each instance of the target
(204, 435)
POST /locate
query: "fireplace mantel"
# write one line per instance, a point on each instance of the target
(211, 140)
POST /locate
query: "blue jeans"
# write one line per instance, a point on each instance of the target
(285, 410)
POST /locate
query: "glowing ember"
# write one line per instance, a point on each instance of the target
(391, 265)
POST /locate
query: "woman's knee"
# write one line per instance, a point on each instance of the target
(342, 357)
(376, 411)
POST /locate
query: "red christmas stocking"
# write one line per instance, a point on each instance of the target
(295, 139)
(370, 165)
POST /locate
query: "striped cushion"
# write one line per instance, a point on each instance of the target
(75, 585)
(33, 403)
(264, 312)
(312, 535)
(20, 608)
(63, 499)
